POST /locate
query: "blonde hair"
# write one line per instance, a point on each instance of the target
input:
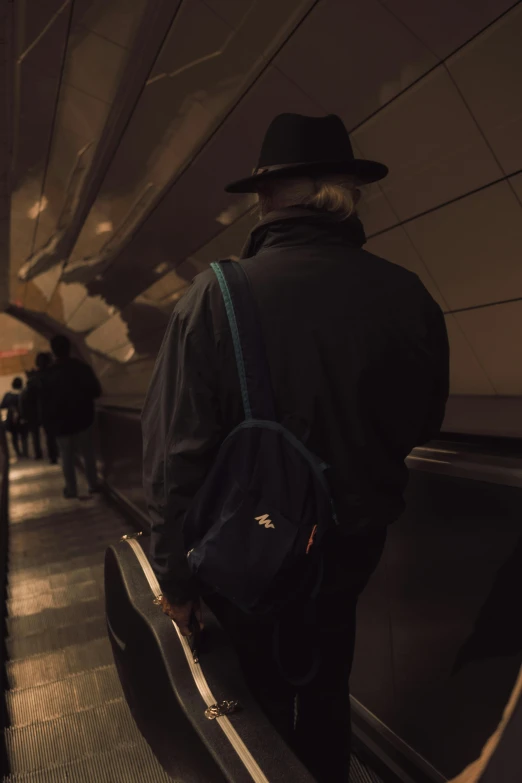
(329, 194)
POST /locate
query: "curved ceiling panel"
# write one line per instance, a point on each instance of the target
(40, 45)
(18, 348)
(444, 25)
(73, 70)
(348, 81)
(203, 68)
(132, 116)
(488, 76)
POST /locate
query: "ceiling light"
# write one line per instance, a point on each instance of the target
(105, 227)
(37, 208)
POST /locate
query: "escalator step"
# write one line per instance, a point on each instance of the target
(71, 737)
(25, 538)
(50, 667)
(56, 638)
(25, 589)
(62, 524)
(360, 773)
(54, 618)
(54, 699)
(61, 555)
(127, 764)
(66, 525)
(18, 576)
(55, 599)
(38, 507)
(64, 551)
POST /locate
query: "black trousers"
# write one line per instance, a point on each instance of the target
(314, 718)
(34, 429)
(52, 446)
(19, 441)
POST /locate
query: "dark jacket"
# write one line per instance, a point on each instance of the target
(31, 399)
(358, 353)
(67, 393)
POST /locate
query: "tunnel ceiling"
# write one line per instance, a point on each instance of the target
(129, 116)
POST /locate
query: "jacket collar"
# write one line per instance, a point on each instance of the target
(300, 225)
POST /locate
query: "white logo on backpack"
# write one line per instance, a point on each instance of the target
(265, 520)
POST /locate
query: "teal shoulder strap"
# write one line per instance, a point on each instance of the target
(249, 348)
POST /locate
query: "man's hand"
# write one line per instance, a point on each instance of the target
(182, 614)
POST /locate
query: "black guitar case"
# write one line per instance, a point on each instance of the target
(198, 717)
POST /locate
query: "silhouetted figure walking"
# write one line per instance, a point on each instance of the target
(34, 405)
(29, 404)
(69, 388)
(16, 424)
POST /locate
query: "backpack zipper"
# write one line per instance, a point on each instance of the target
(202, 685)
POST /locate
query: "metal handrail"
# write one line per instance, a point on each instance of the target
(4, 532)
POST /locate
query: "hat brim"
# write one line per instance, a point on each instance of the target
(363, 172)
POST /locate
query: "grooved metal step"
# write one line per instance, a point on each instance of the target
(41, 508)
(78, 517)
(54, 618)
(18, 576)
(360, 773)
(26, 537)
(55, 599)
(47, 584)
(55, 638)
(70, 737)
(54, 666)
(127, 764)
(69, 721)
(56, 699)
(45, 555)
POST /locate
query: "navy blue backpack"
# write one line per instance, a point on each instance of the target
(256, 525)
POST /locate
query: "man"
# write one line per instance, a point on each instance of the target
(30, 411)
(68, 390)
(35, 407)
(358, 356)
(15, 422)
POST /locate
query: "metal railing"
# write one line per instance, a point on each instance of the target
(4, 532)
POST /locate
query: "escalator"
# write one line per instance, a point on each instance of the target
(67, 716)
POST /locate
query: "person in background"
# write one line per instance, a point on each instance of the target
(358, 357)
(15, 421)
(35, 408)
(30, 410)
(68, 390)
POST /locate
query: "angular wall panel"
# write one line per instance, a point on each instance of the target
(494, 333)
(467, 376)
(431, 143)
(472, 247)
(488, 71)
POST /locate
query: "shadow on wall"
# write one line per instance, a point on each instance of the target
(497, 632)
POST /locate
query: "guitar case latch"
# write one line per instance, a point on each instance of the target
(220, 709)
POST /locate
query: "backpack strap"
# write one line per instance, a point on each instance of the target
(247, 336)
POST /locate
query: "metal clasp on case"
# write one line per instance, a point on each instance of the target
(128, 536)
(220, 709)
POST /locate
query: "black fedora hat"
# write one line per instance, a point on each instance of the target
(299, 146)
